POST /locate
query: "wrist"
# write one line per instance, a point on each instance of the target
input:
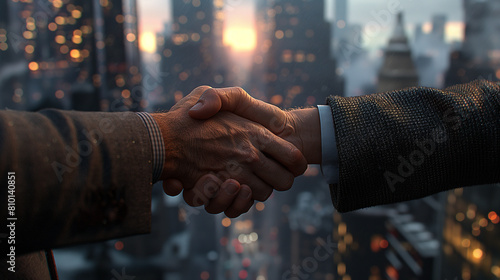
(308, 130)
(172, 152)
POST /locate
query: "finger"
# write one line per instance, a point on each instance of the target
(238, 101)
(205, 188)
(241, 204)
(283, 152)
(273, 173)
(172, 187)
(207, 106)
(261, 191)
(191, 99)
(224, 197)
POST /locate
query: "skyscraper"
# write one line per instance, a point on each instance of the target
(431, 53)
(340, 29)
(297, 72)
(479, 57)
(76, 54)
(194, 54)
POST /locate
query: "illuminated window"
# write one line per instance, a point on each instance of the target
(60, 20)
(286, 56)
(28, 35)
(205, 28)
(131, 37)
(76, 14)
(29, 49)
(33, 66)
(279, 34)
(200, 15)
(77, 39)
(311, 57)
(120, 18)
(195, 37)
(300, 57)
(52, 26)
(183, 19)
(60, 39)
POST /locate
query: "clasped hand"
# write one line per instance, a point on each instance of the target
(230, 149)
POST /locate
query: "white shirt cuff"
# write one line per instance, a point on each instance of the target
(329, 153)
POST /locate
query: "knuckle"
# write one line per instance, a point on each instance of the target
(287, 182)
(298, 162)
(240, 91)
(252, 156)
(202, 88)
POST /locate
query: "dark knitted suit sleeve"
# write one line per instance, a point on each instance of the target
(410, 143)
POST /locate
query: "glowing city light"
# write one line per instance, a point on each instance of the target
(131, 37)
(477, 253)
(240, 39)
(226, 222)
(33, 66)
(147, 42)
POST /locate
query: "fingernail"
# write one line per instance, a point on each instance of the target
(231, 188)
(245, 193)
(210, 188)
(197, 106)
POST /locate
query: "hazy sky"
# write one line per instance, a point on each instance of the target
(153, 13)
(360, 11)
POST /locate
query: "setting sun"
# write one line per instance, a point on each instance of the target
(147, 42)
(240, 38)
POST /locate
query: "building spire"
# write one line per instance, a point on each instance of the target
(398, 70)
(399, 35)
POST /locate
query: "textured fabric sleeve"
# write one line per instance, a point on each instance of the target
(79, 177)
(407, 144)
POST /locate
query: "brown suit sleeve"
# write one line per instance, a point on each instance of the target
(79, 176)
(407, 144)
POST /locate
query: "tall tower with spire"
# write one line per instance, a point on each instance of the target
(398, 70)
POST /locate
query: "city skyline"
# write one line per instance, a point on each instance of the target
(375, 17)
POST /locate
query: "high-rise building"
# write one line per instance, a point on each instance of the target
(265, 27)
(299, 73)
(479, 57)
(79, 54)
(340, 30)
(431, 52)
(398, 70)
(438, 26)
(194, 54)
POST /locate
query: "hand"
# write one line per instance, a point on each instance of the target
(300, 126)
(227, 146)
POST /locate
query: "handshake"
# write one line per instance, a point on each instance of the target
(226, 149)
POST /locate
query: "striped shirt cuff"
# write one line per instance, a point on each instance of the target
(156, 143)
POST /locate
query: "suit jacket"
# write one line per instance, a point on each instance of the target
(410, 143)
(79, 177)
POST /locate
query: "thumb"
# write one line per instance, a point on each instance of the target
(207, 106)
